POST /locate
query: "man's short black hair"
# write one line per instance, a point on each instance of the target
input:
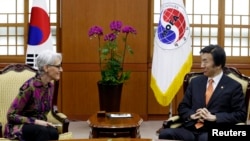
(217, 53)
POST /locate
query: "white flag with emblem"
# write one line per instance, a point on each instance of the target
(172, 56)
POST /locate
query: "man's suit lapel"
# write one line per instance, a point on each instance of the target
(201, 91)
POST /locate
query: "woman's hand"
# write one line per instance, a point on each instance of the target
(43, 123)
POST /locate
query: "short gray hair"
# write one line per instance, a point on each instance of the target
(46, 57)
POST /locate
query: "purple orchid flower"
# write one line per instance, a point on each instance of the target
(95, 30)
(116, 26)
(128, 29)
(110, 37)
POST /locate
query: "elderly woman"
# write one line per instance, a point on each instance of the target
(27, 113)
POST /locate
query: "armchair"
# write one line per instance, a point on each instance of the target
(175, 121)
(11, 78)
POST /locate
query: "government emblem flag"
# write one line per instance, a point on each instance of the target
(39, 34)
(172, 54)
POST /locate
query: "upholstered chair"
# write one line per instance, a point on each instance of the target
(11, 79)
(175, 122)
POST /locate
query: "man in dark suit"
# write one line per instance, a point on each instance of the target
(226, 105)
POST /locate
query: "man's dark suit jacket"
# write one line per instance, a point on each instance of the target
(227, 101)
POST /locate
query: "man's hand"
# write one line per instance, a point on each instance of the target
(196, 115)
(203, 114)
(206, 115)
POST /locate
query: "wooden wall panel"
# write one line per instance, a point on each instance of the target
(134, 97)
(154, 108)
(80, 94)
(80, 15)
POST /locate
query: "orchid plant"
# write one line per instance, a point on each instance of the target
(111, 57)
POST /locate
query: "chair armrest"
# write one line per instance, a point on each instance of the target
(174, 118)
(63, 119)
(1, 130)
(172, 122)
(59, 118)
(241, 123)
(61, 115)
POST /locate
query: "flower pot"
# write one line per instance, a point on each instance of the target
(109, 97)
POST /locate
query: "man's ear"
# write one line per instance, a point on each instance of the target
(218, 67)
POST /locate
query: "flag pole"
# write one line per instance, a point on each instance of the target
(170, 110)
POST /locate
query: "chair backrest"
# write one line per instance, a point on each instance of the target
(11, 79)
(233, 73)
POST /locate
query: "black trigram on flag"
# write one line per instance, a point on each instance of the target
(31, 60)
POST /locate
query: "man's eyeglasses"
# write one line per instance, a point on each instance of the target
(57, 66)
